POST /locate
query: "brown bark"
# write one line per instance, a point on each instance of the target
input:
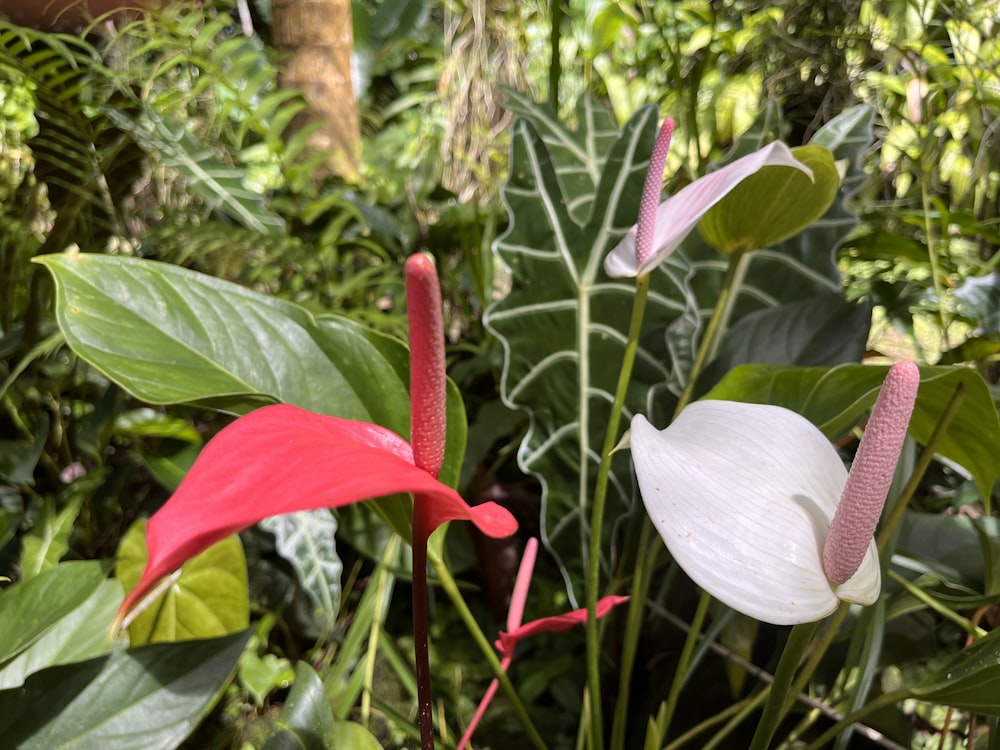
(66, 15)
(319, 38)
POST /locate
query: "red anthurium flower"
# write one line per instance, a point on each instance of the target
(283, 459)
(508, 641)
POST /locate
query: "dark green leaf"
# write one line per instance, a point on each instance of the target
(150, 697)
(28, 609)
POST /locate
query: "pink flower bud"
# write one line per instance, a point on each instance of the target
(871, 474)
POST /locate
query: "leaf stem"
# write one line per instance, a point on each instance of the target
(597, 513)
(421, 651)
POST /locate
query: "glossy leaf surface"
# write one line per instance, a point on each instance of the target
(151, 697)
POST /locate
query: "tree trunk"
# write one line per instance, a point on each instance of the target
(65, 15)
(319, 37)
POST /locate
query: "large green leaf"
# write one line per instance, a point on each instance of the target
(82, 634)
(796, 281)
(571, 197)
(169, 335)
(209, 597)
(970, 681)
(835, 399)
(151, 697)
(29, 608)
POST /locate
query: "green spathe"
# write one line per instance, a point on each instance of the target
(773, 204)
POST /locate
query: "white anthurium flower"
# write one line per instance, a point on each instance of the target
(745, 497)
(678, 215)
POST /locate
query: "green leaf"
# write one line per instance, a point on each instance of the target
(29, 608)
(835, 399)
(774, 204)
(150, 697)
(48, 541)
(306, 721)
(168, 335)
(209, 597)
(307, 541)
(970, 681)
(221, 187)
(85, 632)
(571, 197)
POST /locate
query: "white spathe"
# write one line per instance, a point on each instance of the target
(743, 495)
(680, 213)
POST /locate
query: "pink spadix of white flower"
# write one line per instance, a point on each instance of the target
(745, 496)
(871, 474)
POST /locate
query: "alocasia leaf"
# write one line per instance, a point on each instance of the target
(571, 197)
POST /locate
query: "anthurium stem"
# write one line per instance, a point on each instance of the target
(428, 403)
(455, 595)
(597, 513)
(710, 342)
(791, 657)
(421, 650)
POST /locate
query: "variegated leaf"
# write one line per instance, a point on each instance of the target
(571, 197)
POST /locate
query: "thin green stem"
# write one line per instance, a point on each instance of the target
(947, 613)
(645, 560)
(681, 671)
(752, 706)
(740, 709)
(486, 648)
(882, 701)
(791, 657)
(716, 325)
(630, 642)
(597, 512)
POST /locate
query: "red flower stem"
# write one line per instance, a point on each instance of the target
(421, 651)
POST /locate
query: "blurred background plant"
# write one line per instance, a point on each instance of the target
(170, 136)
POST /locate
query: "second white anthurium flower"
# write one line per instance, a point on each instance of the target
(680, 213)
(744, 496)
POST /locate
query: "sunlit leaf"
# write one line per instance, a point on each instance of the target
(209, 598)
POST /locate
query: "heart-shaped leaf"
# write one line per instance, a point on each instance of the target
(150, 697)
(210, 596)
(774, 204)
(970, 681)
